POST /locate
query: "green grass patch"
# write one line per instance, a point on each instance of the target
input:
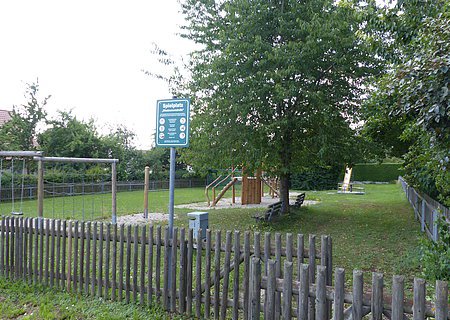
(19, 300)
(371, 232)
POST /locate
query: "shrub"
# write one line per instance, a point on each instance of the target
(317, 178)
(435, 256)
(383, 172)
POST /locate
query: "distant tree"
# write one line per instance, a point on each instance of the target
(69, 137)
(119, 144)
(276, 84)
(20, 133)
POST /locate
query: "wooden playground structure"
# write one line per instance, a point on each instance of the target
(252, 187)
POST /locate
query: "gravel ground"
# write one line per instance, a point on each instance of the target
(138, 218)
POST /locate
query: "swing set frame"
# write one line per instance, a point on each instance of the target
(41, 160)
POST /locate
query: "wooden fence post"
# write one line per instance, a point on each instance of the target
(441, 300)
(207, 274)
(321, 293)
(339, 294)
(271, 289)
(357, 299)
(255, 291)
(303, 297)
(150, 267)
(398, 295)
(312, 270)
(246, 280)
(173, 271)
(422, 218)
(217, 274)
(237, 254)
(377, 296)
(287, 290)
(198, 275)
(226, 276)
(419, 299)
(435, 233)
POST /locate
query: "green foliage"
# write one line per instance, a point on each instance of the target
(275, 84)
(409, 111)
(383, 172)
(435, 256)
(20, 133)
(317, 178)
(69, 137)
(20, 300)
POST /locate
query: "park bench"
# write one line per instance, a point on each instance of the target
(273, 210)
(299, 200)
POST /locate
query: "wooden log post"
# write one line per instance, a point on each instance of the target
(357, 298)
(208, 274)
(321, 293)
(217, 273)
(339, 294)
(146, 189)
(377, 296)
(173, 271)
(419, 299)
(271, 289)
(287, 290)
(237, 254)
(255, 290)
(198, 275)
(441, 300)
(226, 277)
(398, 296)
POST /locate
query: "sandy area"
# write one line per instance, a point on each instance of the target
(138, 218)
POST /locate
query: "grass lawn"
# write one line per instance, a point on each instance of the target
(371, 232)
(21, 301)
(90, 207)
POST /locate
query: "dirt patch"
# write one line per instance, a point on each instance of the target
(138, 218)
(227, 203)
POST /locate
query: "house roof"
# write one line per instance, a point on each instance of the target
(5, 116)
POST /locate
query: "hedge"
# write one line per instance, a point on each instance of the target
(383, 172)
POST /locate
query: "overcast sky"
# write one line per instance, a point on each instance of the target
(88, 54)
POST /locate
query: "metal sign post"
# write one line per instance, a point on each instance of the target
(172, 130)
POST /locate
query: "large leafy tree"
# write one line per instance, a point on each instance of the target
(20, 133)
(409, 111)
(276, 84)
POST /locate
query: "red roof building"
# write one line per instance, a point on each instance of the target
(5, 116)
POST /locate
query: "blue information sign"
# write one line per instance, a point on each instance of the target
(172, 123)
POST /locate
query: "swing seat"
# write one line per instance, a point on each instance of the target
(17, 213)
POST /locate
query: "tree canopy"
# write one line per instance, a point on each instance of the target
(276, 84)
(21, 132)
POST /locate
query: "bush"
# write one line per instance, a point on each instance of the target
(435, 256)
(383, 172)
(317, 179)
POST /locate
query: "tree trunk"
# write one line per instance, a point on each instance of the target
(284, 192)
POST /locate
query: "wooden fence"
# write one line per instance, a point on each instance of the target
(221, 277)
(426, 210)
